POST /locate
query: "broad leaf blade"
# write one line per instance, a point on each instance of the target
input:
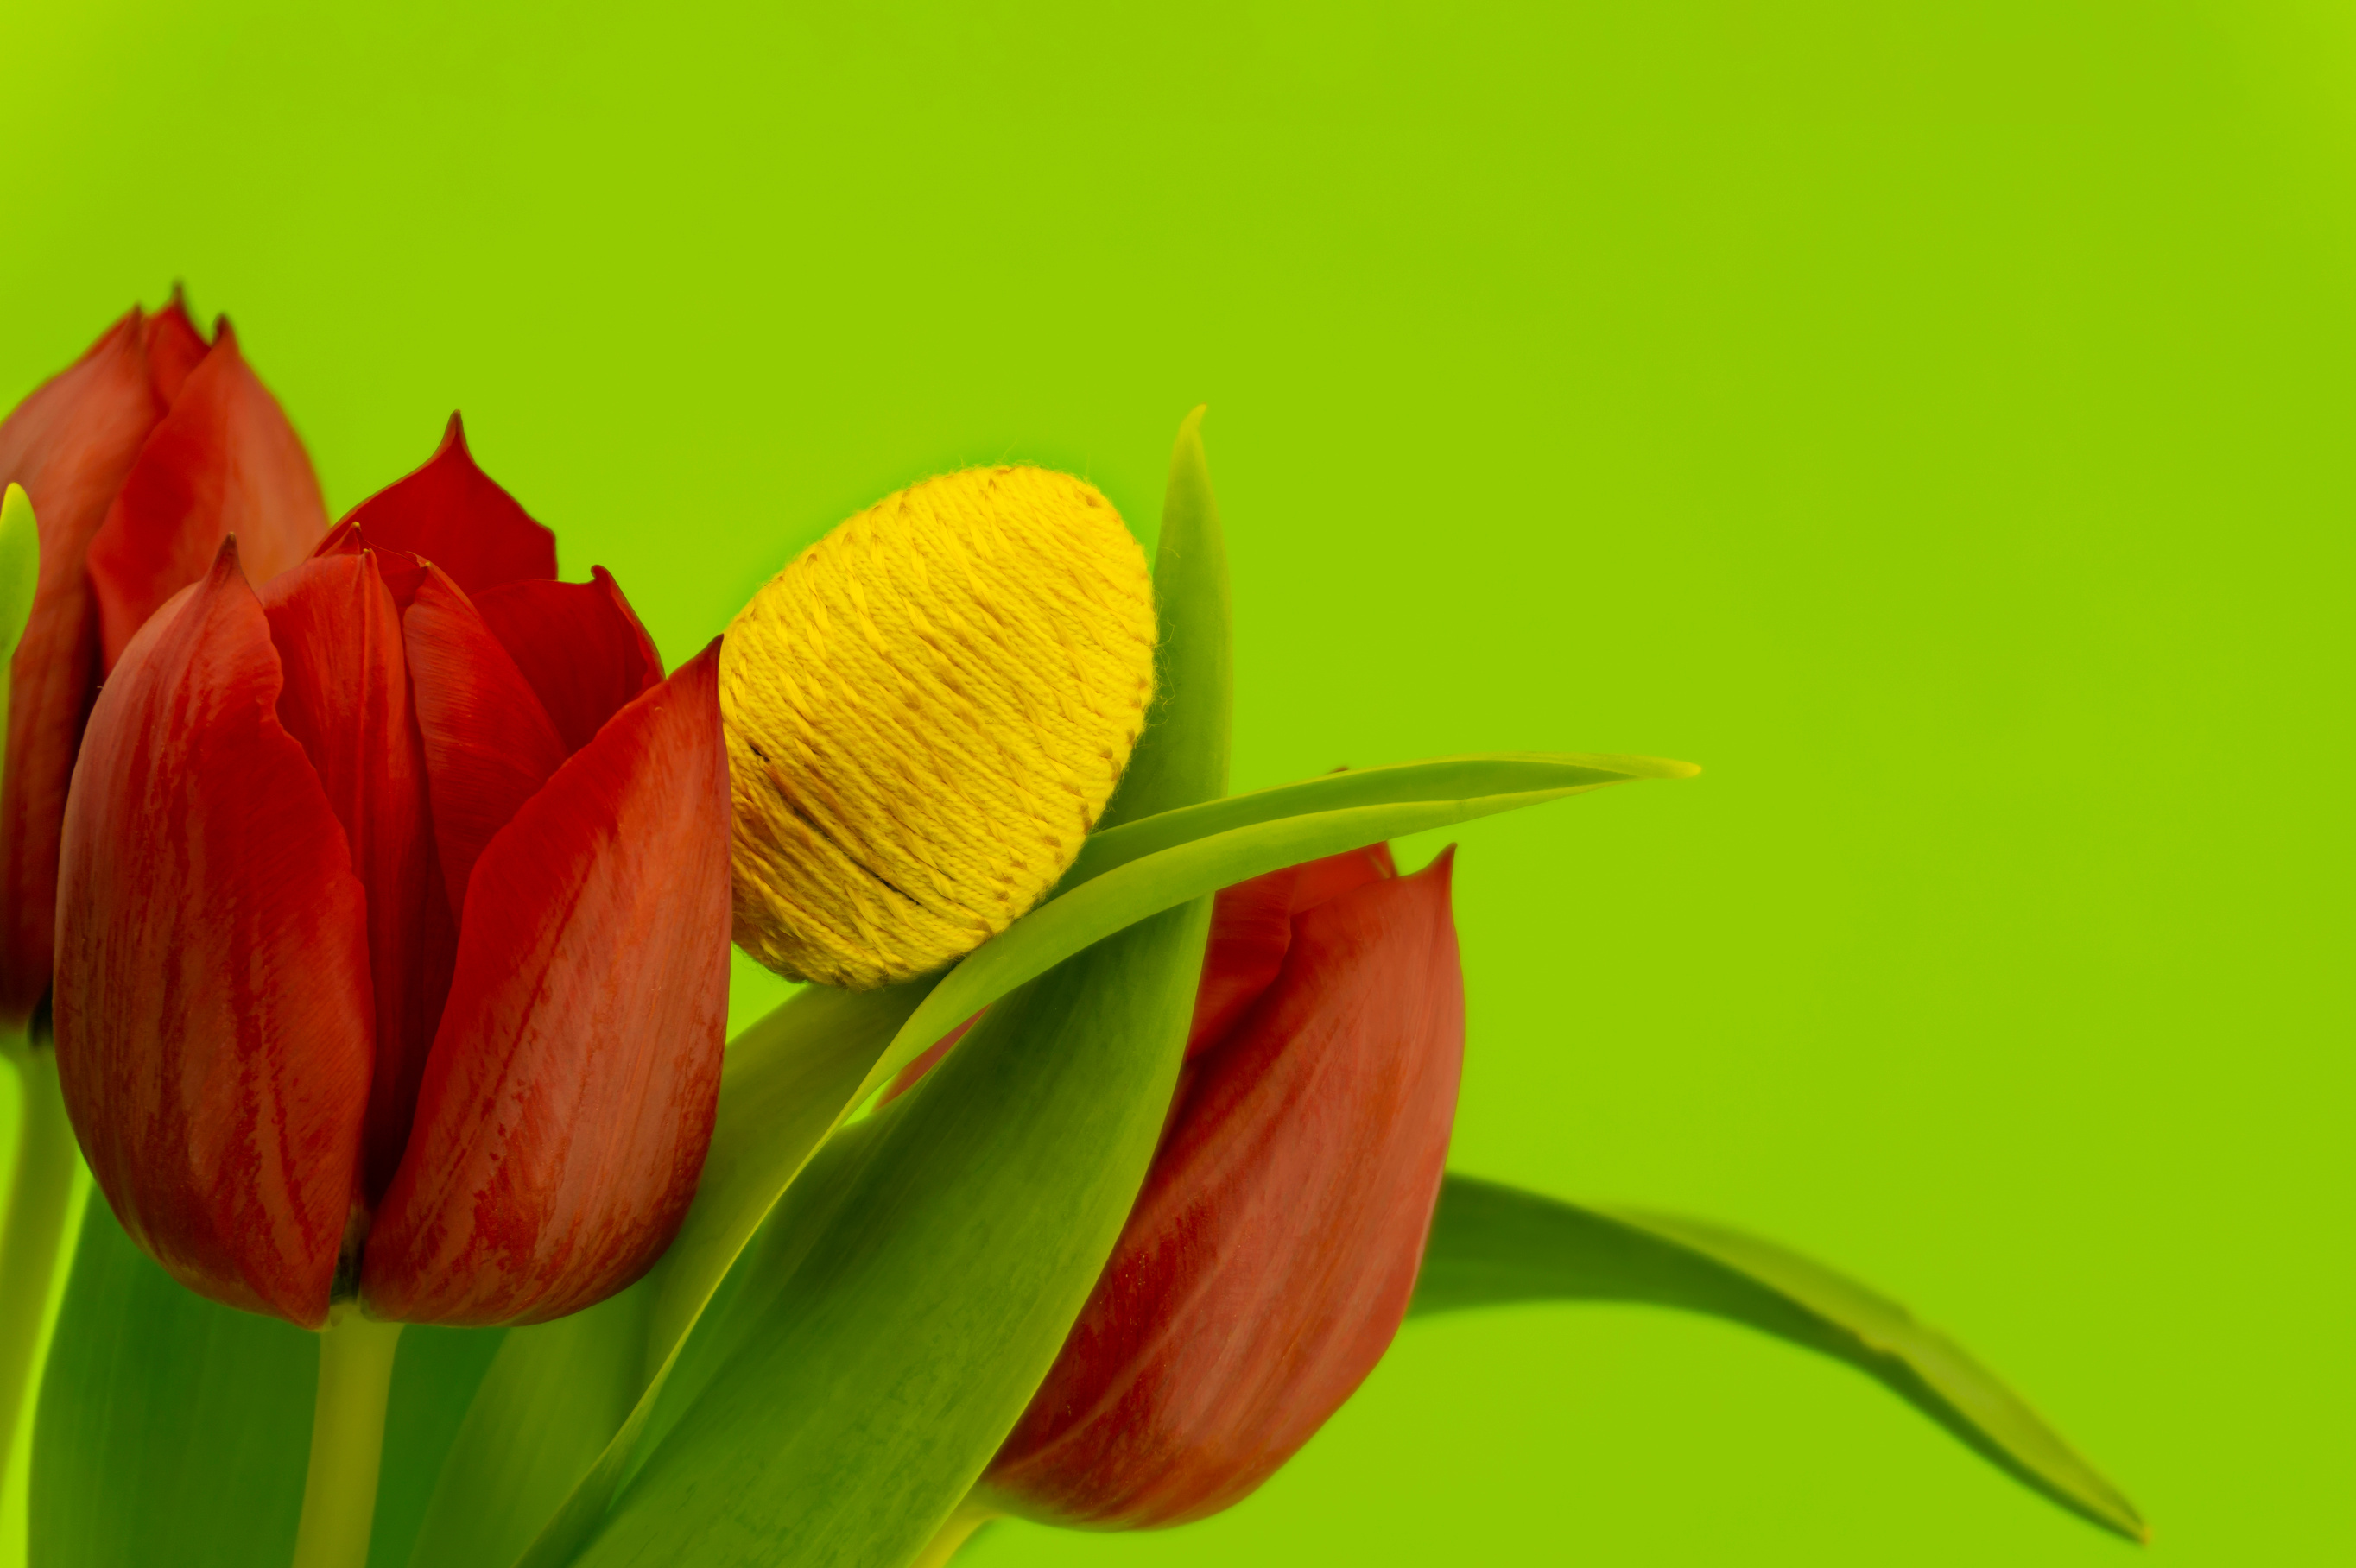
(1549, 773)
(1181, 760)
(434, 1381)
(1160, 880)
(920, 1279)
(927, 1270)
(171, 1429)
(788, 1081)
(553, 1396)
(1492, 1243)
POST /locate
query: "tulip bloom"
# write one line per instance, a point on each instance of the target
(393, 924)
(1275, 1244)
(139, 459)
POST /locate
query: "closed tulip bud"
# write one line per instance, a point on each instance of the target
(139, 458)
(1272, 1251)
(926, 713)
(392, 924)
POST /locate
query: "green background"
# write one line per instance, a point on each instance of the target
(1935, 419)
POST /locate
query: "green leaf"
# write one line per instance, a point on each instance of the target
(1181, 760)
(921, 1278)
(552, 1397)
(1492, 1243)
(1165, 878)
(1548, 775)
(171, 1429)
(20, 573)
(788, 1080)
(434, 1377)
(203, 1414)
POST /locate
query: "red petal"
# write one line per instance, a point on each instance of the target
(488, 743)
(212, 990)
(1251, 927)
(70, 444)
(570, 1096)
(580, 646)
(453, 514)
(1272, 1255)
(223, 461)
(175, 349)
(347, 700)
(1321, 880)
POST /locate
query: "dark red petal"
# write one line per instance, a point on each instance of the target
(1251, 925)
(223, 461)
(579, 644)
(70, 444)
(453, 514)
(489, 744)
(347, 701)
(213, 1007)
(175, 349)
(1272, 1252)
(569, 1098)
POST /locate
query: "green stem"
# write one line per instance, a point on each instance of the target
(970, 1517)
(347, 1440)
(37, 1199)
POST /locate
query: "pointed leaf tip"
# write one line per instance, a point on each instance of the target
(1491, 1243)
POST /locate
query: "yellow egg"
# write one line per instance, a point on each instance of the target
(926, 712)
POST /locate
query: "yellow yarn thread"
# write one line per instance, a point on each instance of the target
(925, 714)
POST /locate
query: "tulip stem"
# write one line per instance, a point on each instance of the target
(970, 1517)
(347, 1440)
(38, 1198)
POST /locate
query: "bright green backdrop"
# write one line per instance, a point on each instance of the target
(1933, 419)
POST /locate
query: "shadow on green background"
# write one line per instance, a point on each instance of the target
(1936, 424)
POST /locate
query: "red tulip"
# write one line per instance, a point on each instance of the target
(393, 924)
(1272, 1251)
(139, 459)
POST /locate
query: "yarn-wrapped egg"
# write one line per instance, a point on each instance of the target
(926, 712)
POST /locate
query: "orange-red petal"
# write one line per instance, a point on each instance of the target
(213, 1007)
(1271, 1256)
(569, 1098)
(173, 348)
(347, 700)
(224, 461)
(579, 645)
(1251, 927)
(489, 744)
(70, 444)
(453, 514)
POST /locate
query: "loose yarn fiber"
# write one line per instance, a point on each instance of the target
(926, 712)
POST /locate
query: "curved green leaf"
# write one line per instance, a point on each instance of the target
(781, 1099)
(915, 1285)
(434, 1378)
(1550, 775)
(202, 1413)
(171, 1429)
(1492, 1243)
(1165, 878)
(553, 1396)
(1181, 759)
(788, 1080)
(921, 1278)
